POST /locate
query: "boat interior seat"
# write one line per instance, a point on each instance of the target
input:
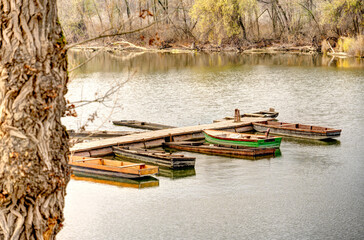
(234, 136)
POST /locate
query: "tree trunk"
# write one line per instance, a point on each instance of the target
(128, 13)
(257, 23)
(98, 14)
(34, 145)
(273, 17)
(284, 16)
(155, 11)
(241, 24)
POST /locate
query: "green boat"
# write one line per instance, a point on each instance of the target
(241, 139)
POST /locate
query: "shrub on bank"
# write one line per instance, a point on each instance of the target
(352, 46)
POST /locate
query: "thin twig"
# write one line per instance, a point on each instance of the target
(101, 99)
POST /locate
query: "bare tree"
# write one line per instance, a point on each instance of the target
(34, 145)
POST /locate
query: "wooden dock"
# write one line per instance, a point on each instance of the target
(158, 137)
(98, 134)
(141, 125)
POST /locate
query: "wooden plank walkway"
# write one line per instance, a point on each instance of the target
(156, 138)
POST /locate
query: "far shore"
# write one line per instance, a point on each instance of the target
(276, 49)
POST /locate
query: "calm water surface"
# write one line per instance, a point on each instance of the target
(314, 190)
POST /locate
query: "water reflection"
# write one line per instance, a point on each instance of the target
(310, 190)
(146, 62)
(120, 182)
(311, 142)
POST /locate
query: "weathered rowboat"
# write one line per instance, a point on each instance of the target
(265, 114)
(111, 167)
(116, 181)
(297, 130)
(159, 158)
(271, 113)
(142, 125)
(240, 152)
(241, 139)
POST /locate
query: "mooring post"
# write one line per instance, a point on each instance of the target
(237, 117)
(145, 145)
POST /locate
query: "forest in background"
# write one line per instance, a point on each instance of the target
(214, 24)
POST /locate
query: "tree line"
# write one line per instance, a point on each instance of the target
(230, 22)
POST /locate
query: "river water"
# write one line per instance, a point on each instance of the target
(313, 190)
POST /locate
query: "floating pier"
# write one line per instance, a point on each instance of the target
(158, 137)
(99, 134)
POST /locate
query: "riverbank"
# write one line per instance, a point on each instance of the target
(186, 48)
(208, 48)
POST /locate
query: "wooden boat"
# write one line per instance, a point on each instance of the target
(297, 130)
(116, 181)
(240, 152)
(111, 167)
(264, 114)
(241, 139)
(159, 158)
(142, 125)
(271, 113)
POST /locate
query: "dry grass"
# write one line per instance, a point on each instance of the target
(352, 46)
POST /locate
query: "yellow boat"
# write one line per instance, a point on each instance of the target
(113, 168)
(116, 181)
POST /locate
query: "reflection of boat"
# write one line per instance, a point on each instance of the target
(241, 139)
(175, 174)
(121, 182)
(160, 158)
(312, 142)
(142, 125)
(240, 152)
(297, 130)
(111, 167)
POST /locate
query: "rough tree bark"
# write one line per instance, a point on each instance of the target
(33, 143)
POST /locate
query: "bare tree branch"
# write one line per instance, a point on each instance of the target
(313, 17)
(111, 35)
(87, 60)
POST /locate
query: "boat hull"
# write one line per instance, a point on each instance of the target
(116, 181)
(298, 133)
(248, 153)
(111, 168)
(261, 143)
(168, 162)
(107, 173)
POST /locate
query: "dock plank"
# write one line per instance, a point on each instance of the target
(159, 136)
